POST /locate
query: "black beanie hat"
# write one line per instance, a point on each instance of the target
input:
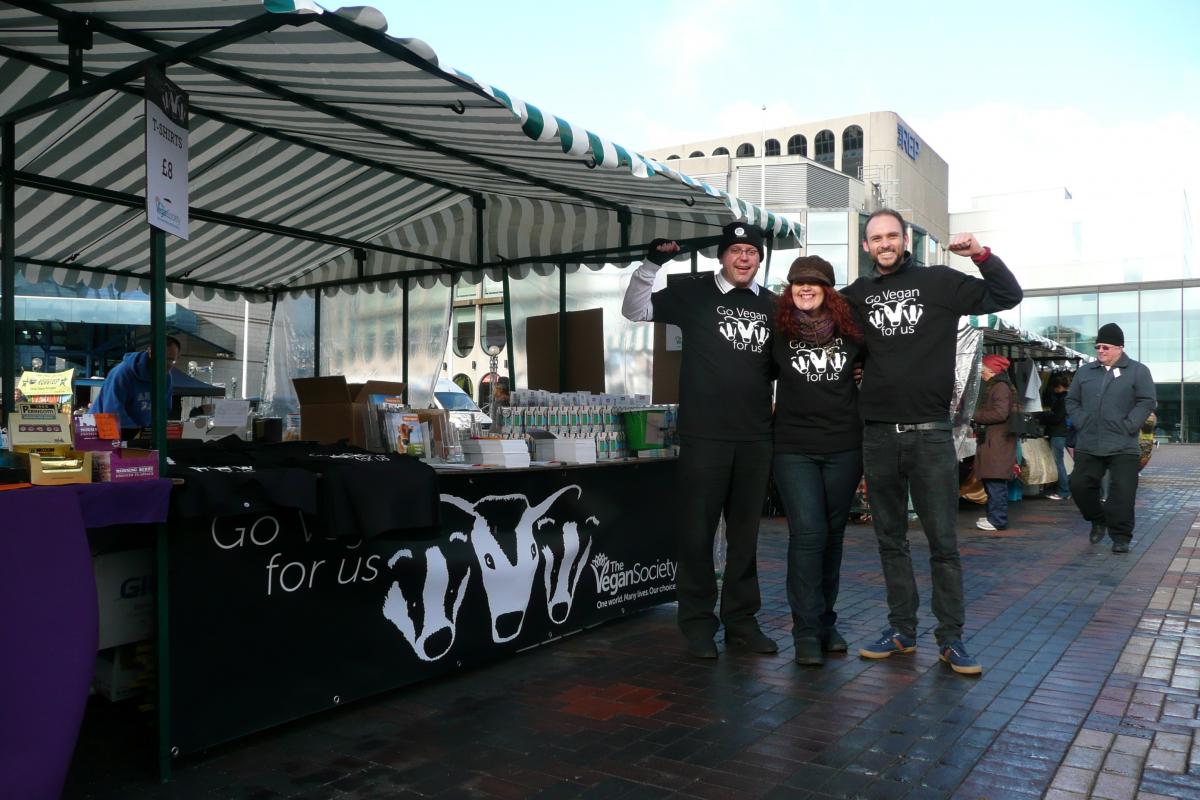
(740, 232)
(1111, 333)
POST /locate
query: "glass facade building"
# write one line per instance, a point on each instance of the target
(1087, 263)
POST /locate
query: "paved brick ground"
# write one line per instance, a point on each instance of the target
(1091, 688)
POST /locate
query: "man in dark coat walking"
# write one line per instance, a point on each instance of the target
(997, 451)
(1107, 403)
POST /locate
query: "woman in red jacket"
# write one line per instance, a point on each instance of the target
(996, 454)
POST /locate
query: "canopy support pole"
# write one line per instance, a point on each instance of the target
(404, 337)
(563, 335)
(8, 270)
(767, 271)
(695, 261)
(508, 333)
(317, 334)
(159, 408)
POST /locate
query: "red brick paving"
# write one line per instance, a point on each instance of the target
(1091, 688)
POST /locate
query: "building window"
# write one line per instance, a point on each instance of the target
(824, 147)
(798, 146)
(829, 238)
(493, 326)
(852, 150)
(672, 157)
(745, 150)
(696, 154)
(720, 151)
(464, 331)
(771, 147)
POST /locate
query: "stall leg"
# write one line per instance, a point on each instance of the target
(8, 271)
(160, 404)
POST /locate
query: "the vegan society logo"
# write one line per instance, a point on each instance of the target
(162, 209)
(616, 582)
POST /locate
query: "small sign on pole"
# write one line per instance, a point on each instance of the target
(166, 154)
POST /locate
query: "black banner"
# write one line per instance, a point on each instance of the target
(269, 623)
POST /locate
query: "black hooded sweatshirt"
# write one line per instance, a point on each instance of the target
(910, 320)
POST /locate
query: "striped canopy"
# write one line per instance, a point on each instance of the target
(322, 152)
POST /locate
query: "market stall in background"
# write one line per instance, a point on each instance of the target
(303, 158)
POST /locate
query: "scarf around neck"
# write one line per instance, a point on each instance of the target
(816, 329)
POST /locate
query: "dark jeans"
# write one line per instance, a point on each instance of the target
(924, 464)
(997, 502)
(718, 476)
(1058, 445)
(1116, 512)
(816, 490)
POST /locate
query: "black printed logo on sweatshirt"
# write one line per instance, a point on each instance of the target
(895, 312)
(745, 329)
(824, 363)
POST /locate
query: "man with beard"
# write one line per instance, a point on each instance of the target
(910, 319)
(724, 429)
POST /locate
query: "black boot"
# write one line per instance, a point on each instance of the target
(808, 652)
(1099, 531)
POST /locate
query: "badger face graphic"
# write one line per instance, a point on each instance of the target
(424, 604)
(818, 361)
(502, 535)
(895, 313)
(563, 566)
(744, 331)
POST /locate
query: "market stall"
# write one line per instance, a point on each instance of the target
(325, 159)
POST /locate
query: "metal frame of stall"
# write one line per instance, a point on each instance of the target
(75, 32)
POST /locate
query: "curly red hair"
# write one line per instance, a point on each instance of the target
(844, 323)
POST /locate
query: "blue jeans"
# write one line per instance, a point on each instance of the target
(997, 502)
(925, 464)
(1058, 445)
(816, 490)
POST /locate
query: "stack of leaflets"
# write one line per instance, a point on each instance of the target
(567, 450)
(496, 452)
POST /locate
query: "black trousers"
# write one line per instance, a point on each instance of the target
(1117, 511)
(718, 476)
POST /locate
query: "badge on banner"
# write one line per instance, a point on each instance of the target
(166, 154)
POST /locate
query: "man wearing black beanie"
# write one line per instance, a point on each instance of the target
(1107, 403)
(724, 429)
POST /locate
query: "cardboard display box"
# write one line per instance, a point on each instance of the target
(122, 672)
(60, 470)
(40, 428)
(122, 466)
(97, 432)
(332, 410)
(125, 596)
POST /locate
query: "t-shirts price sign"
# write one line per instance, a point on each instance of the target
(166, 154)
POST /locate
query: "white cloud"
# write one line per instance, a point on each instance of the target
(994, 148)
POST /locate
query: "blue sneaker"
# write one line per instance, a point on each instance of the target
(891, 641)
(956, 655)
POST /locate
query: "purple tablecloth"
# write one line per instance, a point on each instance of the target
(49, 627)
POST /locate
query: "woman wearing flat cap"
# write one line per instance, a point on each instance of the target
(818, 440)
(997, 451)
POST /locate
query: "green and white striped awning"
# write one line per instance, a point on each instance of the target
(1000, 332)
(322, 152)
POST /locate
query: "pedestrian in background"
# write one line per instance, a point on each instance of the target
(1108, 402)
(1054, 418)
(996, 453)
(818, 446)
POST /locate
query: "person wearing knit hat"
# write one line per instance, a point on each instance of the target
(724, 426)
(818, 447)
(1107, 404)
(996, 452)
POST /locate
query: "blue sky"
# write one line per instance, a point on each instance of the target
(1095, 96)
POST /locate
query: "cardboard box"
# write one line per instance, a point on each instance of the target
(97, 432)
(125, 595)
(60, 470)
(121, 673)
(122, 466)
(332, 410)
(40, 428)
